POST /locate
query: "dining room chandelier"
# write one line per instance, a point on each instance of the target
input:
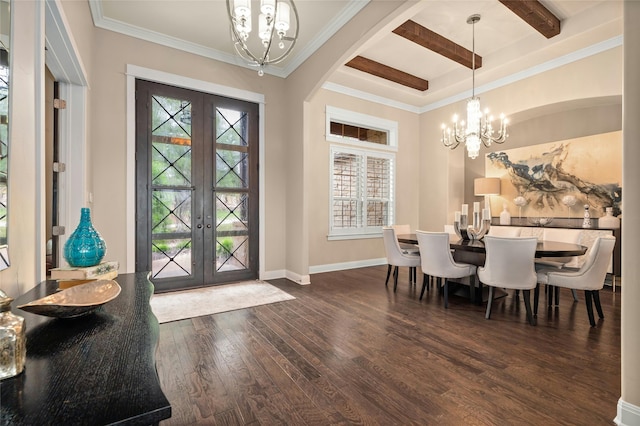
(277, 30)
(479, 125)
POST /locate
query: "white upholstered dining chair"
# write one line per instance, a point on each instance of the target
(572, 236)
(590, 277)
(437, 261)
(510, 264)
(403, 230)
(397, 257)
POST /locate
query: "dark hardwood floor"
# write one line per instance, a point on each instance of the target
(350, 351)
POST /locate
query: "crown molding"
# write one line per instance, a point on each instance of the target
(355, 93)
(348, 12)
(594, 49)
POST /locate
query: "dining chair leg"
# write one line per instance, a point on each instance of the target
(526, 294)
(489, 303)
(425, 284)
(575, 294)
(549, 295)
(472, 289)
(596, 301)
(388, 275)
(588, 299)
(395, 279)
(556, 291)
(536, 296)
(446, 293)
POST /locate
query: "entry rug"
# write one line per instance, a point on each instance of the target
(179, 305)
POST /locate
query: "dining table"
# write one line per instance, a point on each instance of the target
(474, 253)
(459, 246)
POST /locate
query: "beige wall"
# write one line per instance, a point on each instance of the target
(588, 84)
(574, 122)
(629, 403)
(107, 130)
(285, 140)
(321, 250)
(373, 20)
(291, 120)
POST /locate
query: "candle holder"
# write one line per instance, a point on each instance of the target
(478, 233)
(476, 220)
(461, 227)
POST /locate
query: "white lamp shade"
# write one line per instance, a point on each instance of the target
(268, 7)
(242, 8)
(282, 17)
(486, 186)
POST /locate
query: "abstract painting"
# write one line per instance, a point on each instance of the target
(557, 179)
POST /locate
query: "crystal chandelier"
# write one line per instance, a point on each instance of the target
(274, 22)
(479, 127)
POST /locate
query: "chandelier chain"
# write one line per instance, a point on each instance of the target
(478, 129)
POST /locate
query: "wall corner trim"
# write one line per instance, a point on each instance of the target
(628, 414)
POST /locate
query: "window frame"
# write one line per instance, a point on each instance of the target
(361, 120)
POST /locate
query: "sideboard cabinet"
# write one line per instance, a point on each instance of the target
(93, 370)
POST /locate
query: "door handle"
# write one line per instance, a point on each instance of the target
(199, 226)
(209, 225)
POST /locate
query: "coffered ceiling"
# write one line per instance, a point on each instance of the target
(513, 39)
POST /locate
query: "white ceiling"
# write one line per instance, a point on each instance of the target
(510, 48)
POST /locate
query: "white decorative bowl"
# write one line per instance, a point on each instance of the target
(75, 301)
(540, 221)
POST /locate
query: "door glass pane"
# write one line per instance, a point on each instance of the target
(171, 180)
(171, 233)
(232, 253)
(171, 257)
(171, 142)
(232, 231)
(232, 127)
(171, 211)
(232, 169)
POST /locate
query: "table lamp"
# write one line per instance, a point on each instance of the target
(486, 187)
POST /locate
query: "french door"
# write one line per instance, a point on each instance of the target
(196, 187)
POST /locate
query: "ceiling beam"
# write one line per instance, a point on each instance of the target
(434, 41)
(383, 71)
(535, 14)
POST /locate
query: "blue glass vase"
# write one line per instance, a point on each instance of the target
(85, 246)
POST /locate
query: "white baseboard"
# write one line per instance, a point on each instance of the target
(273, 275)
(628, 414)
(297, 278)
(306, 279)
(347, 265)
(291, 276)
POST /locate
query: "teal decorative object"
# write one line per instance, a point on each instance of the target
(85, 247)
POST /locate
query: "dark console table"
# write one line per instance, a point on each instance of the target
(93, 370)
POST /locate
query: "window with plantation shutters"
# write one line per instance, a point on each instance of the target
(361, 192)
(362, 173)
